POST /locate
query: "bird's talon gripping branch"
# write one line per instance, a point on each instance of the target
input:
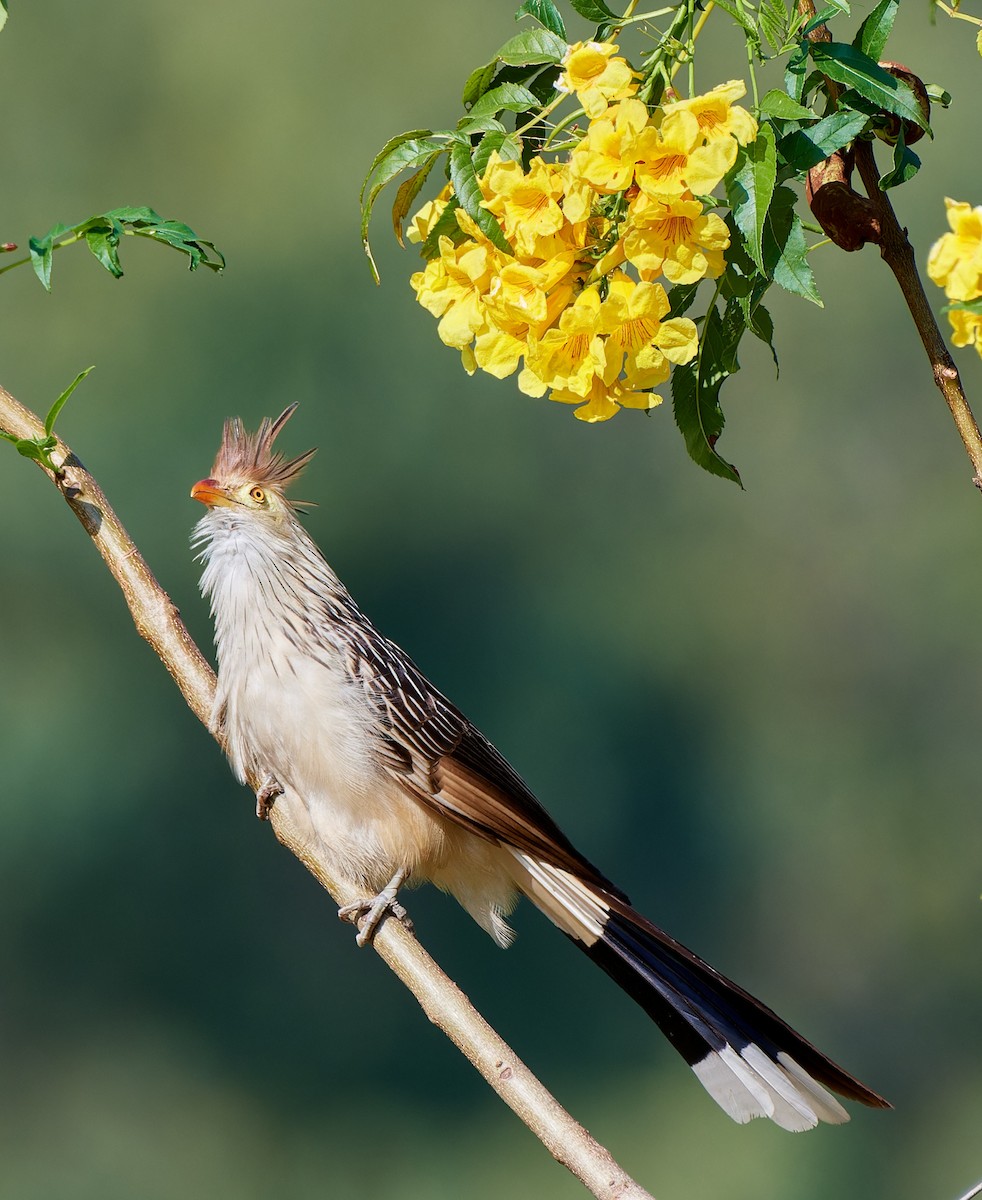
(266, 797)
(369, 912)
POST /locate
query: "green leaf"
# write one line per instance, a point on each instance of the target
(827, 13)
(805, 148)
(741, 18)
(971, 306)
(468, 127)
(785, 249)
(775, 21)
(874, 32)
(403, 155)
(681, 297)
(846, 65)
(533, 46)
(412, 135)
(102, 238)
(59, 404)
(409, 189)
(594, 10)
(180, 237)
(507, 146)
(41, 250)
(546, 13)
(468, 191)
(478, 83)
(778, 104)
(508, 97)
(3, 13)
(750, 186)
(695, 398)
(906, 164)
(796, 71)
(446, 226)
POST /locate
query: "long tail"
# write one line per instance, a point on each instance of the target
(744, 1055)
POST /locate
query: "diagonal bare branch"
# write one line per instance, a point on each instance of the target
(158, 621)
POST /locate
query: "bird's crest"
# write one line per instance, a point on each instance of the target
(251, 455)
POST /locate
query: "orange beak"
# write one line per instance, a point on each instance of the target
(209, 492)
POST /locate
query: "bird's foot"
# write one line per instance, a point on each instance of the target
(367, 914)
(266, 797)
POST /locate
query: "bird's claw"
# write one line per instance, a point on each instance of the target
(369, 912)
(266, 797)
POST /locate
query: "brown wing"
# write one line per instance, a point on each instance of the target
(451, 767)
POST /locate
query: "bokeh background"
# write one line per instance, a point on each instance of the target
(759, 711)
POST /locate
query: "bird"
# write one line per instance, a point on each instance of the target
(403, 789)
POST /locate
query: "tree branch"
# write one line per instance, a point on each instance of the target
(158, 621)
(896, 251)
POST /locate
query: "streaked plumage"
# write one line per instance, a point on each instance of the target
(397, 779)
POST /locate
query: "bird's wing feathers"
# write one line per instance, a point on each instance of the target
(450, 767)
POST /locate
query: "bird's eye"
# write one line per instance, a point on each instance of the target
(258, 495)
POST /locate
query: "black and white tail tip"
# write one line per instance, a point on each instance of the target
(751, 1062)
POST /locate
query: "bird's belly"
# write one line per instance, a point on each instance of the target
(314, 732)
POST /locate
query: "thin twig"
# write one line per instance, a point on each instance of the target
(158, 621)
(897, 252)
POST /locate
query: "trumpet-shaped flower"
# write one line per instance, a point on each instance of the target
(608, 393)
(569, 354)
(966, 328)
(451, 287)
(525, 202)
(675, 238)
(423, 221)
(632, 318)
(606, 156)
(955, 261)
(716, 114)
(596, 76)
(674, 159)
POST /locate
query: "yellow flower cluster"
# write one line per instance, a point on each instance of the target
(580, 299)
(955, 263)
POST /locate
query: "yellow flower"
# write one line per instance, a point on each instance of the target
(522, 301)
(607, 394)
(606, 156)
(673, 158)
(596, 76)
(955, 261)
(716, 114)
(966, 328)
(419, 227)
(675, 238)
(451, 287)
(568, 355)
(631, 316)
(526, 203)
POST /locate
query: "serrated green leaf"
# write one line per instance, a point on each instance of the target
(409, 189)
(742, 18)
(785, 249)
(468, 191)
(546, 13)
(3, 13)
(470, 126)
(507, 146)
(750, 186)
(59, 404)
(778, 104)
(681, 297)
(805, 148)
(508, 97)
(827, 13)
(594, 10)
(874, 32)
(774, 20)
(695, 399)
(182, 237)
(846, 65)
(478, 83)
(403, 156)
(412, 135)
(533, 46)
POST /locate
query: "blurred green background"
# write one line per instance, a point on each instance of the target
(758, 711)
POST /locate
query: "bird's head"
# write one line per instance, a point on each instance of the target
(248, 475)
